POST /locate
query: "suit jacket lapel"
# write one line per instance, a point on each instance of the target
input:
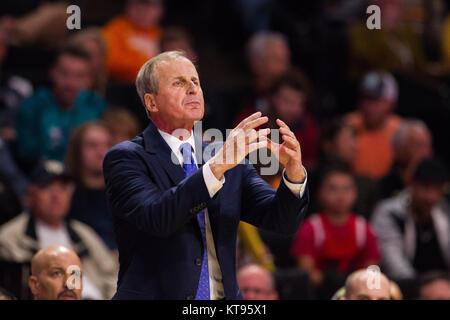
(155, 144)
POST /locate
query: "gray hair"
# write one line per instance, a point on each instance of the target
(147, 80)
(261, 40)
(405, 127)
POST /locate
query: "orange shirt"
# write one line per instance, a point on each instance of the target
(376, 153)
(129, 47)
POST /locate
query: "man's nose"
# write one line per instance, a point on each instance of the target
(192, 88)
(65, 285)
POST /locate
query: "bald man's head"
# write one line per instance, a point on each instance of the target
(56, 274)
(256, 283)
(367, 284)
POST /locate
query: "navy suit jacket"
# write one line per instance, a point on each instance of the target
(154, 208)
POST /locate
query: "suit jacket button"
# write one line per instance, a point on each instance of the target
(198, 262)
(190, 298)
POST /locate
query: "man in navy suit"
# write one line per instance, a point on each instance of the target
(175, 219)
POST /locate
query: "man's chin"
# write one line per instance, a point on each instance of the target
(197, 115)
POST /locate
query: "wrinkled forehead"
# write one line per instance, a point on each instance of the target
(177, 67)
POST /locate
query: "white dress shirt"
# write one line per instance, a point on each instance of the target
(214, 185)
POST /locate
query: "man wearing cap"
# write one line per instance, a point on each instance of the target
(375, 124)
(414, 227)
(176, 224)
(45, 225)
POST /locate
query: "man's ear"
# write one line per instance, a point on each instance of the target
(150, 103)
(33, 284)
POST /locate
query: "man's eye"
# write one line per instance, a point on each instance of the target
(178, 83)
(57, 273)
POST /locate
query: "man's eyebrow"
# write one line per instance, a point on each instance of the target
(56, 268)
(184, 78)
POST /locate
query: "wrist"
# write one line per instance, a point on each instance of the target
(217, 168)
(298, 176)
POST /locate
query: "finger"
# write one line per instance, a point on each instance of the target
(254, 135)
(288, 132)
(291, 153)
(284, 128)
(281, 123)
(249, 118)
(255, 123)
(273, 145)
(291, 142)
(257, 145)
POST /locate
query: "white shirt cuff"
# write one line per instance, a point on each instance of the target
(212, 183)
(298, 189)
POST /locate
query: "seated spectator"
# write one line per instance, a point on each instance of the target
(357, 286)
(135, 33)
(268, 56)
(13, 89)
(335, 241)
(91, 40)
(256, 283)
(177, 39)
(412, 143)
(375, 124)
(47, 118)
(122, 124)
(395, 291)
(434, 286)
(54, 275)
(413, 227)
(85, 154)
(250, 248)
(397, 46)
(288, 96)
(46, 225)
(338, 144)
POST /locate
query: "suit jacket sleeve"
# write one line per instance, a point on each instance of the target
(135, 197)
(274, 210)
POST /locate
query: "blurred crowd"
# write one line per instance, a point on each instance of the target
(371, 109)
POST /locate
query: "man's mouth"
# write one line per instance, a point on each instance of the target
(193, 103)
(68, 296)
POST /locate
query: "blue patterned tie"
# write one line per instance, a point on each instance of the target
(190, 167)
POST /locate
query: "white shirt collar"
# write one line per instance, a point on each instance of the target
(175, 143)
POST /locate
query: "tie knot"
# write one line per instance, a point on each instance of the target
(186, 152)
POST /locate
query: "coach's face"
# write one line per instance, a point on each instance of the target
(179, 102)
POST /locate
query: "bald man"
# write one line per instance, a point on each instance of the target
(367, 284)
(256, 283)
(56, 274)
